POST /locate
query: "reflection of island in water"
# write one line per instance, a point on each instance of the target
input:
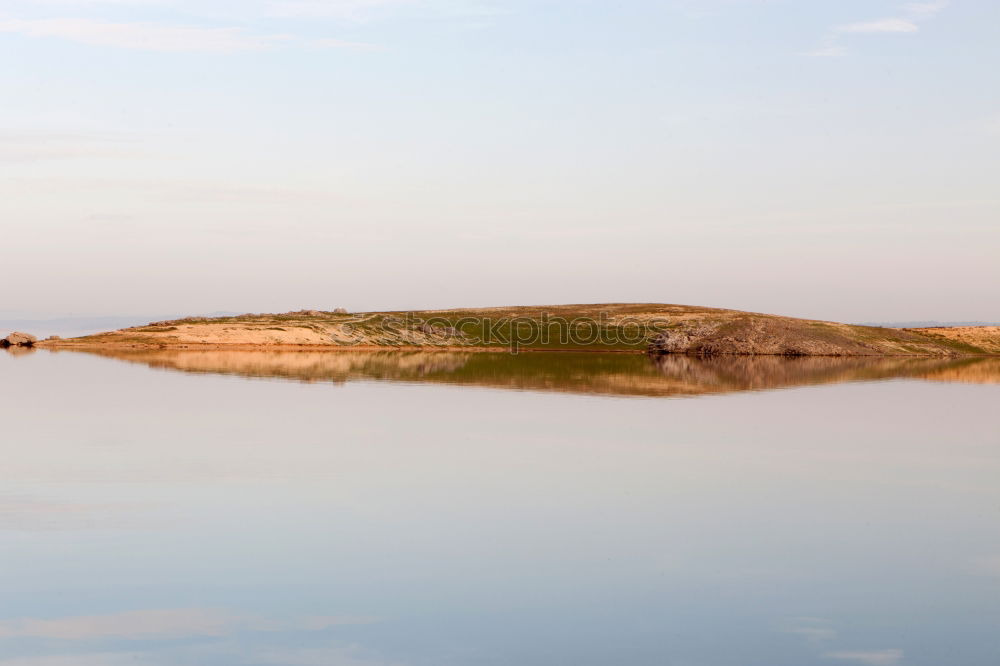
(606, 374)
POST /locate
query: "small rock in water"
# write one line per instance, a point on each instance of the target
(17, 339)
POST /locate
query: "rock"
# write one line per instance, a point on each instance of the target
(340, 311)
(16, 339)
(681, 339)
(440, 331)
(759, 335)
(670, 342)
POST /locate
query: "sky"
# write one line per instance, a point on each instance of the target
(831, 159)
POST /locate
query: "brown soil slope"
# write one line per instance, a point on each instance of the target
(606, 327)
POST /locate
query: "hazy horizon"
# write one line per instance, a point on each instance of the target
(833, 160)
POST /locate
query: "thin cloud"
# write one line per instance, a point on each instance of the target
(34, 146)
(812, 628)
(909, 22)
(330, 43)
(87, 3)
(827, 52)
(330, 656)
(163, 623)
(133, 624)
(143, 35)
(925, 9)
(869, 658)
(883, 25)
(148, 36)
(358, 11)
(96, 25)
(354, 10)
(89, 659)
(828, 49)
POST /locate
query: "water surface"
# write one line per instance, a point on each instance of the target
(581, 372)
(362, 510)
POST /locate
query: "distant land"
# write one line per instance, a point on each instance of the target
(615, 327)
(78, 325)
(929, 324)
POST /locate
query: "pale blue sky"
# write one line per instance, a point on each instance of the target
(834, 159)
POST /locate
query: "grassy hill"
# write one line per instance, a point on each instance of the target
(617, 327)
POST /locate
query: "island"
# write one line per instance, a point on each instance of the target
(610, 327)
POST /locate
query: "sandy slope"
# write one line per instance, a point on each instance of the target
(985, 337)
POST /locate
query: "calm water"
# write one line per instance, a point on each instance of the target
(205, 509)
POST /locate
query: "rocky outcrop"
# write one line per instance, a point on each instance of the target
(683, 339)
(17, 339)
(780, 336)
